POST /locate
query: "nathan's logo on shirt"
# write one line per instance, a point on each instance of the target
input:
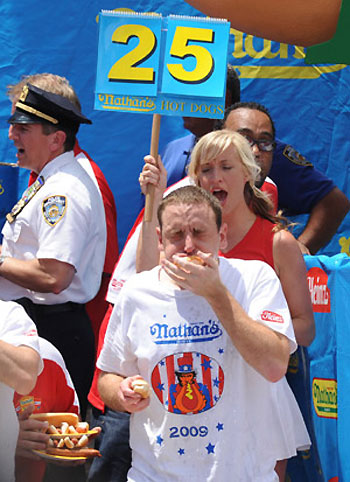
(54, 208)
(325, 397)
(319, 291)
(163, 334)
(271, 316)
(188, 383)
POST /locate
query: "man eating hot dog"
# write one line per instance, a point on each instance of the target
(211, 339)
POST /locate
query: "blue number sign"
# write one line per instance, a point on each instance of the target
(172, 66)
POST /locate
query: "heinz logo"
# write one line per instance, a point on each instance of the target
(118, 284)
(319, 291)
(271, 316)
(325, 397)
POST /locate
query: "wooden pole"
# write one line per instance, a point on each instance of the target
(154, 153)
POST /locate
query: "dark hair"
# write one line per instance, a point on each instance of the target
(246, 105)
(233, 84)
(191, 195)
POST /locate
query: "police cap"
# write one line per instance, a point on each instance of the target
(36, 106)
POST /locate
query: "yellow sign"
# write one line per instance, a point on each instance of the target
(325, 397)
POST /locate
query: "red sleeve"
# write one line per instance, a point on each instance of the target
(94, 396)
(270, 188)
(112, 250)
(52, 392)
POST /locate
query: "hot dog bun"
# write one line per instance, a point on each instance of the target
(142, 387)
(194, 259)
(191, 259)
(84, 452)
(56, 419)
(68, 436)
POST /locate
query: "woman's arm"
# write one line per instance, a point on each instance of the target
(291, 270)
(296, 22)
(147, 256)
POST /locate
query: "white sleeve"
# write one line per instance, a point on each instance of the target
(116, 355)
(65, 241)
(16, 328)
(267, 303)
(125, 267)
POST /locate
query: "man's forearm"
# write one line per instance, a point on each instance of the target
(108, 387)
(42, 275)
(262, 348)
(324, 220)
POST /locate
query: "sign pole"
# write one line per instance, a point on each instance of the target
(154, 153)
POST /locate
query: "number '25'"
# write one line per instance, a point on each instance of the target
(127, 69)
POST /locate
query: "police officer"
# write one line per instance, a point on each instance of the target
(55, 236)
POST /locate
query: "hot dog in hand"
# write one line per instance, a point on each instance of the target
(141, 386)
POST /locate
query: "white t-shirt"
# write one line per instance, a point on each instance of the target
(224, 425)
(65, 220)
(17, 329)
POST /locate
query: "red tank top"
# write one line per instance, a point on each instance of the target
(256, 244)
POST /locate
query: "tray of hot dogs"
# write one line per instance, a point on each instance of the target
(69, 438)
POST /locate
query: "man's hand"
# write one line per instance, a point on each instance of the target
(201, 279)
(130, 400)
(31, 435)
(117, 393)
(324, 220)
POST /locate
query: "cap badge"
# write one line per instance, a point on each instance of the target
(24, 93)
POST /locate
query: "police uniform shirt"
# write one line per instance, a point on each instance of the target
(65, 221)
(300, 185)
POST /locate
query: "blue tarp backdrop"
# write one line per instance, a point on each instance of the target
(311, 108)
(310, 104)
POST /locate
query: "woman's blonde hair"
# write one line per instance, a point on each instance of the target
(210, 146)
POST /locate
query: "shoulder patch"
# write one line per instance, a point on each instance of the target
(54, 208)
(294, 156)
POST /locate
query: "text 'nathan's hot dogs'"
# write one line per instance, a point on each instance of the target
(68, 436)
